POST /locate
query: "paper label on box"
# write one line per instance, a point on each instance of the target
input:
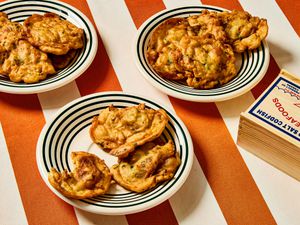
(279, 107)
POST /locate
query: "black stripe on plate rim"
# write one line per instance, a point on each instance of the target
(55, 131)
(141, 197)
(30, 10)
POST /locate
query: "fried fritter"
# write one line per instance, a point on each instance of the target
(208, 62)
(10, 33)
(199, 60)
(91, 177)
(62, 61)
(121, 130)
(144, 168)
(207, 23)
(3, 56)
(243, 30)
(51, 34)
(199, 50)
(3, 18)
(163, 53)
(26, 63)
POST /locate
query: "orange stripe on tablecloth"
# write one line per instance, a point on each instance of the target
(271, 74)
(143, 9)
(234, 188)
(163, 213)
(230, 5)
(291, 10)
(22, 120)
(100, 76)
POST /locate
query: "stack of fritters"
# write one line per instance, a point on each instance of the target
(36, 49)
(199, 50)
(121, 130)
(132, 134)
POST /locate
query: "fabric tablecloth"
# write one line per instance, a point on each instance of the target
(227, 185)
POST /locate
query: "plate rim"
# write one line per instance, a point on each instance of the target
(69, 78)
(183, 96)
(126, 210)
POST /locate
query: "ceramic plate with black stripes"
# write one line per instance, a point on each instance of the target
(251, 65)
(69, 131)
(19, 10)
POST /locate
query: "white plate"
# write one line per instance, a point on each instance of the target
(251, 65)
(69, 131)
(19, 10)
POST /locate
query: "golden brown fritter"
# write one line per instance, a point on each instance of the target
(121, 130)
(199, 60)
(144, 168)
(187, 50)
(62, 61)
(51, 34)
(91, 177)
(10, 33)
(26, 63)
(207, 23)
(208, 62)
(3, 18)
(199, 50)
(162, 52)
(243, 30)
(3, 56)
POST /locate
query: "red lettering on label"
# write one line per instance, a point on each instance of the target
(285, 113)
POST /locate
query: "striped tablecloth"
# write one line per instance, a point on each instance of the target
(227, 185)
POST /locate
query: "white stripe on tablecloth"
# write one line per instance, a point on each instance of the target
(11, 206)
(50, 102)
(118, 34)
(171, 4)
(87, 218)
(195, 199)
